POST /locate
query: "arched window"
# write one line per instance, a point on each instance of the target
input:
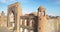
(13, 24)
(25, 30)
(42, 13)
(21, 22)
(31, 23)
(31, 31)
(21, 29)
(25, 22)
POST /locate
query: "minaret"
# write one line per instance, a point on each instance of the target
(41, 19)
(13, 18)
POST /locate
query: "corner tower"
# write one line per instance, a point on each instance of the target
(13, 18)
(41, 19)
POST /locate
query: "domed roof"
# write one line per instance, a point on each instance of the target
(41, 8)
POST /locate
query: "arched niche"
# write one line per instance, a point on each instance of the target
(26, 30)
(31, 24)
(12, 18)
(21, 29)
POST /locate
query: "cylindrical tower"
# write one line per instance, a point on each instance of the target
(41, 19)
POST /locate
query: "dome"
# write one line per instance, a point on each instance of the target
(42, 8)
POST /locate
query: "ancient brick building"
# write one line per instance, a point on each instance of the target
(30, 22)
(18, 23)
(13, 17)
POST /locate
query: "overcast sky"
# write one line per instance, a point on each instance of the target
(28, 6)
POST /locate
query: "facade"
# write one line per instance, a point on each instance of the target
(13, 17)
(3, 19)
(28, 23)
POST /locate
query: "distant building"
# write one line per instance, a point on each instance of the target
(3, 19)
